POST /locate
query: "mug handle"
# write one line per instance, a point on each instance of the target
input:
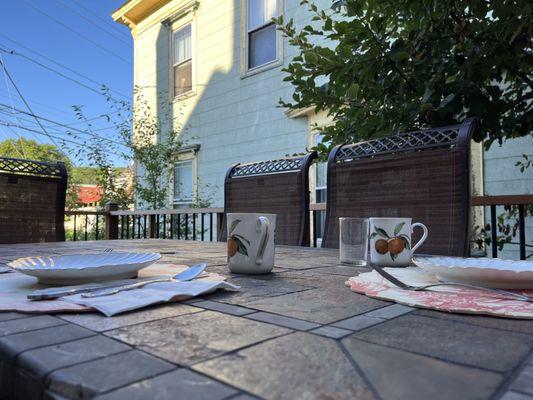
(424, 235)
(263, 226)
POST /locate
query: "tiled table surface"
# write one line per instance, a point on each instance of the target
(295, 334)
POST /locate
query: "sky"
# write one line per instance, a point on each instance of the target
(78, 39)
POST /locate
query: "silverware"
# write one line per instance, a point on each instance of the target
(55, 293)
(402, 285)
(183, 276)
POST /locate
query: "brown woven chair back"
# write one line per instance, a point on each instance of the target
(32, 201)
(423, 175)
(276, 187)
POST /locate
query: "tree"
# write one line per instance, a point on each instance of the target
(32, 150)
(147, 139)
(380, 67)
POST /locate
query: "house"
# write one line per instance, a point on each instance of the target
(89, 197)
(218, 64)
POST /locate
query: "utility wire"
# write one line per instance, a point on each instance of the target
(24, 100)
(77, 33)
(111, 25)
(54, 128)
(92, 23)
(38, 117)
(5, 123)
(12, 52)
(12, 103)
(100, 84)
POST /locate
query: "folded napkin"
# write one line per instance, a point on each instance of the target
(153, 293)
(14, 288)
(453, 299)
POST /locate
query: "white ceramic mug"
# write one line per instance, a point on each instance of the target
(251, 242)
(390, 241)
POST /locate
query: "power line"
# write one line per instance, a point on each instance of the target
(77, 33)
(11, 100)
(111, 25)
(61, 65)
(12, 52)
(5, 123)
(24, 100)
(92, 23)
(38, 117)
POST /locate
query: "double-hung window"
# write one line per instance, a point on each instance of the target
(262, 36)
(182, 60)
(184, 182)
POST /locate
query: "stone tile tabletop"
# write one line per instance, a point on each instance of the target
(297, 333)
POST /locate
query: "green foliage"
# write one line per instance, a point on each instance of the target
(144, 138)
(32, 150)
(380, 67)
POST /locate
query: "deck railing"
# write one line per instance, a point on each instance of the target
(205, 224)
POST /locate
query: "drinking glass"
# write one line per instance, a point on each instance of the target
(353, 241)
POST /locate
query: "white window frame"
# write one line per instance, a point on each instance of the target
(176, 200)
(245, 70)
(176, 26)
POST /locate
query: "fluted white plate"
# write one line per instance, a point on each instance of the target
(488, 272)
(83, 268)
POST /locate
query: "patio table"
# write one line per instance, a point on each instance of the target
(297, 333)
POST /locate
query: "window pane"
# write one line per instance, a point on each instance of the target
(182, 44)
(183, 78)
(262, 46)
(321, 175)
(255, 14)
(260, 12)
(183, 181)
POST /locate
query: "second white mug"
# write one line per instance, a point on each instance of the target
(390, 240)
(251, 242)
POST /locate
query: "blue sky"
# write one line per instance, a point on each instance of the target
(62, 30)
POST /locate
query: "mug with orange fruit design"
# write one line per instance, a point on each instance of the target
(390, 241)
(251, 242)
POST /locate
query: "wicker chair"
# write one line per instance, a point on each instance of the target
(423, 175)
(278, 187)
(32, 201)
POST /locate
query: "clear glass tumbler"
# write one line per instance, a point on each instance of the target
(353, 241)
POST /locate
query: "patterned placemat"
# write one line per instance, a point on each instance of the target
(444, 298)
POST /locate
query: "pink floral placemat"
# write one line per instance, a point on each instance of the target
(444, 298)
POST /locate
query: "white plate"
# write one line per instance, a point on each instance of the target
(488, 272)
(82, 268)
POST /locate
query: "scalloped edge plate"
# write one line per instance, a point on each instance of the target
(83, 268)
(488, 272)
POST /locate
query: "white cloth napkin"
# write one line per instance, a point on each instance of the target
(160, 292)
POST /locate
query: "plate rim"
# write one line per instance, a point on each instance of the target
(155, 257)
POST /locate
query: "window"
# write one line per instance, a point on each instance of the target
(262, 35)
(184, 181)
(182, 60)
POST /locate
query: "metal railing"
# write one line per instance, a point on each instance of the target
(205, 224)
